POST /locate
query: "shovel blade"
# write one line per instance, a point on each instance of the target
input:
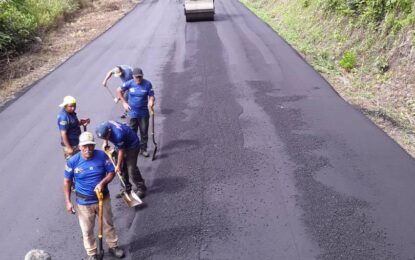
(131, 199)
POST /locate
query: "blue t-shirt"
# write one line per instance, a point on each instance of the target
(138, 97)
(88, 173)
(128, 73)
(69, 123)
(122, 136)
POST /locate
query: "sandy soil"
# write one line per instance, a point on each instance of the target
(59, 44)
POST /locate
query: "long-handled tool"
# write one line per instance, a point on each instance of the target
(112, 95)
(152, 134)
(131, 198)
(100, 249)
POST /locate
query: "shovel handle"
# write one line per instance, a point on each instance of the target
(100, 196)
(108, 152)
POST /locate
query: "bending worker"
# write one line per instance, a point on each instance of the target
(125, 73)
(91, 170)
(69, 126)
(127, 143)
(140, 98)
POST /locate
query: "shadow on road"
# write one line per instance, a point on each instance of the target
(163, 241)
(168, 185)
(181, 145)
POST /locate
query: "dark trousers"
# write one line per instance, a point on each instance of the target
(130, 169)
(141, 123)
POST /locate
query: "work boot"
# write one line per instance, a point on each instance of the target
(117, 252)
(92, 257)
(141, 189)
(144, 153)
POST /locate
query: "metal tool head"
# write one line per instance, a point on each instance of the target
(131, 198)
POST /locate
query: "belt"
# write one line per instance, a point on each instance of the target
(105, 192)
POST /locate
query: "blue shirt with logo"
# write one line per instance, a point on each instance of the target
(69, 123)
(128, 73)
(138, 97)
(122, 136)
(87, 174)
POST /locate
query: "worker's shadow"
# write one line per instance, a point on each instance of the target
(168, 185)
(163, 241)
(166, 111)
(180, 145)
(176, 146)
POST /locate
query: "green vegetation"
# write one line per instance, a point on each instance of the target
(348, 61)
(22, 20)
(363, 47)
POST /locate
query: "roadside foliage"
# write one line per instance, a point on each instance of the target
(22, 20)
(364, 48)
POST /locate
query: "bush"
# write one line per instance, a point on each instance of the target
(370, 10)
(16, 26)
(21, 20)
(348, 61)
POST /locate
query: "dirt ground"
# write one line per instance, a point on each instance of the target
(59, 44)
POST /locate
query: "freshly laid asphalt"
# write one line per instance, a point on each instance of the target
(259, 158)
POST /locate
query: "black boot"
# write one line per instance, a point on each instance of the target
(141, 189)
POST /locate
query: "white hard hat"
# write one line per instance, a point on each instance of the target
(68, 100)
(86, 138)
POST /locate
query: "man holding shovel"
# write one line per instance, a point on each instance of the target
(125, 73)
(91, 170)
(127, 144)
(140, 99)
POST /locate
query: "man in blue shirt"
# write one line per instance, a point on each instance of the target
(125, 73)
(91, 170)
(140, 99)
(69, 126)
(127, 144)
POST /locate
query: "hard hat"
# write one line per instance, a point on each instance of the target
(86, 138)
(103, 129)
(68, 100)
(117, 71)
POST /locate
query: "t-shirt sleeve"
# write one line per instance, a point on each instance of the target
(150, 90)
(120, 144)
(109, 167)
(69, 170)
(63, 123)
(125, 86)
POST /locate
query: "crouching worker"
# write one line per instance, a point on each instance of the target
(91, 169)
(127, 144)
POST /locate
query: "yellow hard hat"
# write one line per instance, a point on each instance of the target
(68, 100)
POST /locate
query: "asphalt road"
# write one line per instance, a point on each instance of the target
(259, 157)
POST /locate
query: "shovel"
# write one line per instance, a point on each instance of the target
(112, 95)
(152, 134)
(100, 249)
(131, 198)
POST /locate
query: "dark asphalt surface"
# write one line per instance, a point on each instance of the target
(259, 157)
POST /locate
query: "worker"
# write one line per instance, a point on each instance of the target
(91, 170)
(127, 144)
(125, 73)
(69, 126)
(140, 99)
